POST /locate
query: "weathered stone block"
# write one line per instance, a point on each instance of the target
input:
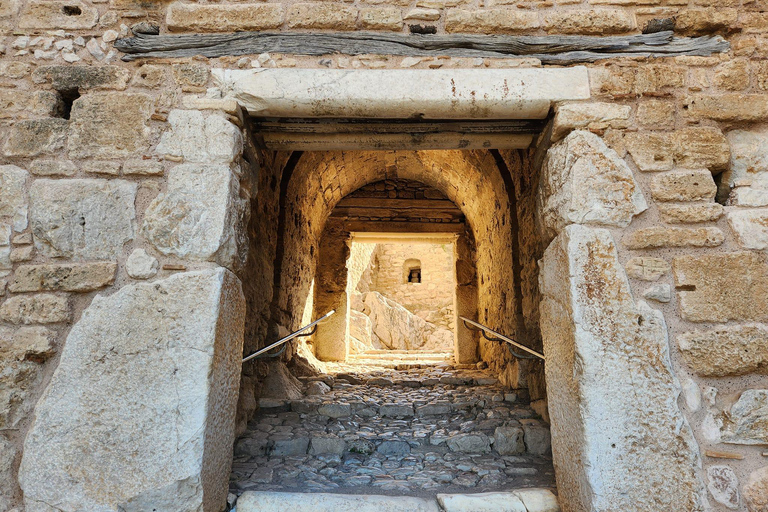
(67, 277)
(35, 137)
(490, 21)
(381, 18)
(200, 216)
(19, 379)
(690, 213)
(609, 383)
(585, 182)
(733, 75)
(35, 309)
(13, 196)
(150, 356)
(689, 148)
(719, 287)
(755, 491)
(728, 107)
(35, 344)
(705, 21)
(656, 114)
(749, 164)
(111, 125)
(659, 292)
(508, 440)
(259, 501)
(684, 185)
(590, 21)
(197, 138)
(723, 485)
(647, 269)
(82, 78)
(745, 422)
(655, 237)
(82, 218)
(469, 443)
(651, 151)
(51, 167)
(224, 18)
(750, 227)
(16, 104)
(654, 78)
(322, 16)
(57, 15)
(8, 454)
(589, 116)
(141, 265)
(726, 350)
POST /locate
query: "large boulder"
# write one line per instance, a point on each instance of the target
(396, 328)
(619, 440)
(140, 413)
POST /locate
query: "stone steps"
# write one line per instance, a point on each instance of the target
(400, 359)
(427, 430)
(523, 500)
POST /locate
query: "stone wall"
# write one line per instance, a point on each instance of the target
(113, 173)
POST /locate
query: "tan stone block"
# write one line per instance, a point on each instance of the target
(690, 213)
(224, 18)
(66, 78)
(149, 75)
(750, 227)
(51, 167)
(761, 74)
(73, 277)
(19, 254)
(190, 74)
(18, 104)
(745, 422)
(647, 269)
(591, 116)
(44, 308)
(15, 70)
(615, 81)
(423, 14)
(705, 21)
(651, 151)
(733, 75)
(110, 125)
(728, 107)
(726, 350)
(429, 4)
(656, 237)
(322, 16)
(687, 185)
(36, 137)
(491, 21)
(656, 114)
(754, 22)
(719, 287)
(755, 491)
(381, 18)
(67, 15)
(35, 343)
(652, 78)
(590, 21)
(702, 147)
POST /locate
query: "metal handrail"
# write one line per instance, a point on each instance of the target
(500, 337)
(294, 334)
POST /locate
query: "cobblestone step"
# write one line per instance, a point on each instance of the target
(438, 429)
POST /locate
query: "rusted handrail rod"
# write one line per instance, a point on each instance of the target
(500, 337)
(294, 334)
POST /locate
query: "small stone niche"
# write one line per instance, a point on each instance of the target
(412, 271)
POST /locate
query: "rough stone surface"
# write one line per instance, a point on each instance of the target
(590, 21)
(481, 502)
(591, 116)
(199, 216)
(321, 16)
(321, 502)
(655, 237)
(728, 107)
(750, 227)
(690, 148)
(67, 277)
(82, 218)
(723, 485)
(610, 382)
(52, 15)
(749, 167)
(223, 18)
(35, 137)
(197, 138)
(755, 491)
(110, 125)
(693, 185)
(508, 440)
(496, 20)
(690, 213)
(140, 353)
(141, 265)
(13, 198)
(719, 287)
(727, 350)
(68, 78)
(44, 308)
(647, 269)
(745, 423)
(7, 476)
(659, 293)
(585, 182)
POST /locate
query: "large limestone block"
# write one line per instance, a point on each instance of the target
(585, 182)
(13, 196)
(197, 138)
(323, 502)
(750, 227)
(66, 277)
(140, 413)
(749, 166)
(756, 490)
(110, 125)
(200, 216)
(7, 484)
(619, 440)
(589, 115)
(721, 287)
(82, 218)
(746, 422)
(726, 350)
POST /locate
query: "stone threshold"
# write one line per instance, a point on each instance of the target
(521, 500)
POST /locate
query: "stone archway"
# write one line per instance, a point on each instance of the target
(188, 468)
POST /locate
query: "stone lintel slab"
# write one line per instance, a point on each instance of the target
(403, 93)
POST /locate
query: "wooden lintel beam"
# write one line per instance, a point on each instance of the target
(406, 204)
(404, 227)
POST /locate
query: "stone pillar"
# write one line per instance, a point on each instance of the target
(619, 440)
(140, 412)
(331, 293)
(465, 349)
